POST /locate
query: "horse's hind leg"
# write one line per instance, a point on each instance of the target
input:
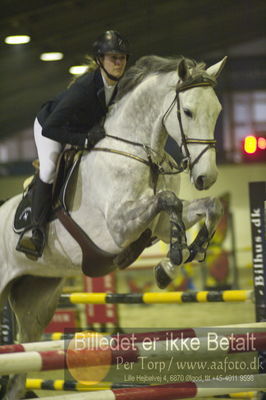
(33, 300)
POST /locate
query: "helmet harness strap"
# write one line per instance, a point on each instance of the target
(110, 76)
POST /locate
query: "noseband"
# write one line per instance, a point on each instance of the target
(210, 143)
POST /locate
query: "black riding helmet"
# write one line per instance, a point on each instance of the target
(110, 42)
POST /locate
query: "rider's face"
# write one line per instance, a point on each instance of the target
(115, 63)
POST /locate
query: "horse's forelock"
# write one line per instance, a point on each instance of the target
(197, 71)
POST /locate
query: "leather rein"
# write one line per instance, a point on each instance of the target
(157, 168)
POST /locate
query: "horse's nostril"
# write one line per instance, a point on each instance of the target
(200, 182)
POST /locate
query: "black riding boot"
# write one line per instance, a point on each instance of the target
(41, 205)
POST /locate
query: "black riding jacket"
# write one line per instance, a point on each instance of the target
(71, 114)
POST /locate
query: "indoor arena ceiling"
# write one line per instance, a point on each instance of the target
(165, 27)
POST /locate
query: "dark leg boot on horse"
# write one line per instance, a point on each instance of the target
(41, 205)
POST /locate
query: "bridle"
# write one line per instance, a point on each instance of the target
(157, 168)
(210, 143)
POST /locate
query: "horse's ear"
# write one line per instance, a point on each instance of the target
(216, 69)
(183, 71)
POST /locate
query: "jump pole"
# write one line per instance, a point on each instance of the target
(60, 384)
(170, 391)
(70, 335)
(157, 297)
(56, 345)
(114, 354)
(72, 385)
(67, 385)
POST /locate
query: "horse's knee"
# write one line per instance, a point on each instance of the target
(168, 201)
(215, 207)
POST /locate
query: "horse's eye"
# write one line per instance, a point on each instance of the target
(188, 112)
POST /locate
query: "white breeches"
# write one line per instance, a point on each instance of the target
(48, 151)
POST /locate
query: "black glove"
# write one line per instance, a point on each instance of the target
(95, 134)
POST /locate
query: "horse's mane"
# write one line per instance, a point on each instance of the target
(153, 64)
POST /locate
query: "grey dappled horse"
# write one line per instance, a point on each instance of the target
(124, 187)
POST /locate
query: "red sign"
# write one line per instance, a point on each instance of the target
(62, 319)
(101, 313)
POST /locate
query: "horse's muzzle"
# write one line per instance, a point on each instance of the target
(204, 182)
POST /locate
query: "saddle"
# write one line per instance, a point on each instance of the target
(67, 168)
(67, 164)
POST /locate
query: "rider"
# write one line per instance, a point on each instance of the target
(74, 117)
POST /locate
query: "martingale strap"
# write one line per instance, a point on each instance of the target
(122, 153)
(202, 141)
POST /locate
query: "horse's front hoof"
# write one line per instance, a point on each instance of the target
(162, 279)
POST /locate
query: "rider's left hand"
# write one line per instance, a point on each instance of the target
(95, 134)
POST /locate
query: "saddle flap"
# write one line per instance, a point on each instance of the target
(69, 169)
